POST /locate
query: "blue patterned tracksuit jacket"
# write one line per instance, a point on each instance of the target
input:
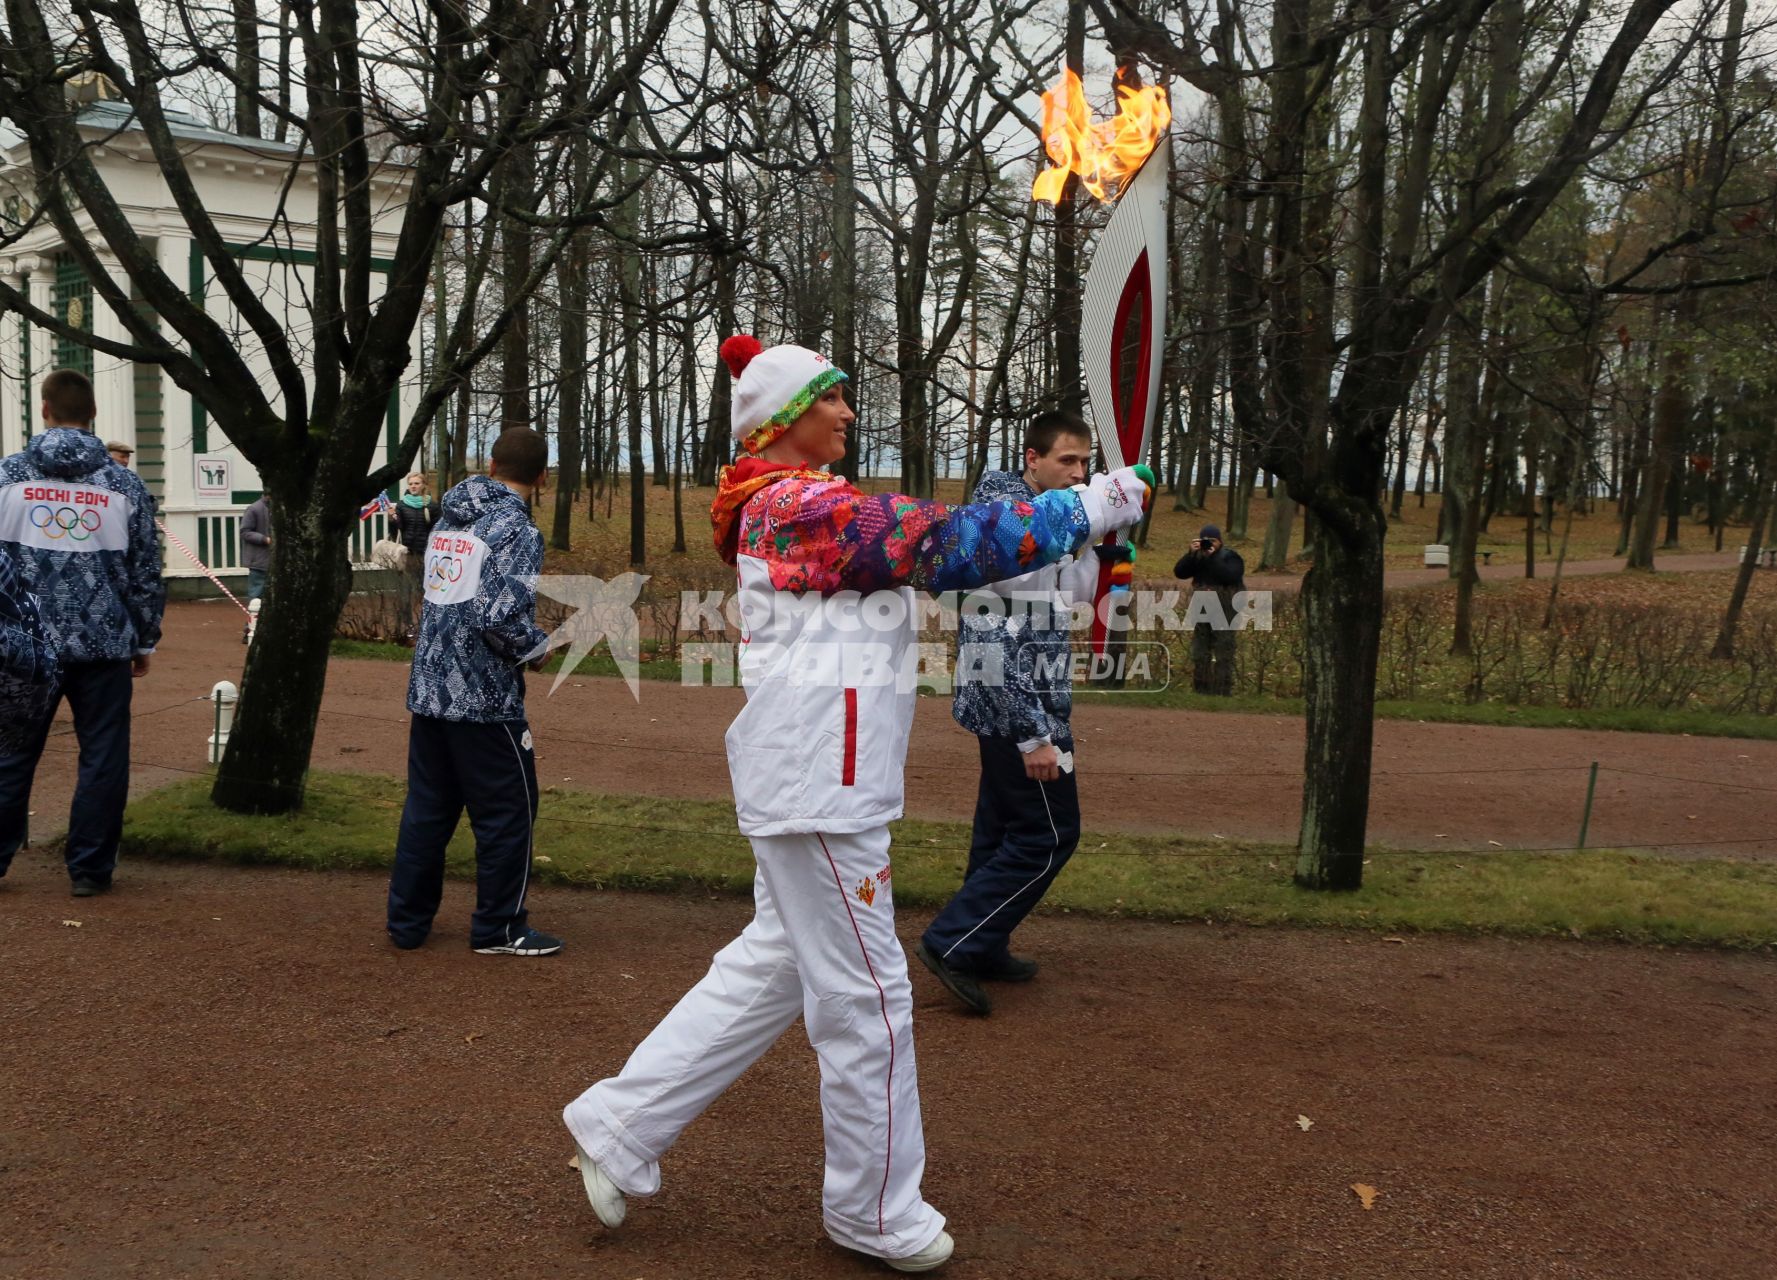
(81, 533)
(479, 621)
(1025, 698)
(28, 666)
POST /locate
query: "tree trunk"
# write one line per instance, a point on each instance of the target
(265, 767)
(719, 442)
(1530, 460)
(1761, 512)
(845, 232)
(246, 66)
(571, 284)
(1070, 391)
(515, 265)
(1276, 554)
(1342, 630)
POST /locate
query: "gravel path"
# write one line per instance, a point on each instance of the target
(228, 1073)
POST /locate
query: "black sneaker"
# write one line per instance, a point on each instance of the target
(528, 943)
(1008, 968)
(89, 887)
(961, 985)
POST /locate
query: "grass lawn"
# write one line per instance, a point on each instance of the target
(632, 842)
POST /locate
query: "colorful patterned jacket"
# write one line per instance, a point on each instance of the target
(28, 667)
(828, 652)
(1025, 694)
(81, 532)
(479, 621)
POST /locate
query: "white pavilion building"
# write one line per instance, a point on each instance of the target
(199, 478)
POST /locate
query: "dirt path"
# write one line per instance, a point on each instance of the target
(1195, 773)
(228, 1072)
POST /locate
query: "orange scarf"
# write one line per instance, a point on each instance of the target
(735, 487)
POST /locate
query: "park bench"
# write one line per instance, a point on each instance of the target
(1437, 556)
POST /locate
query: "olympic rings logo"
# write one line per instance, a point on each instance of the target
(66, 522)
(444, 571)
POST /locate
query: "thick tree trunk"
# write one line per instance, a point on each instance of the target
(1342, 629)
(265, 768)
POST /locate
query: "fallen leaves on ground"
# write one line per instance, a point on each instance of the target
(1304, 1123)
(1366, 1193)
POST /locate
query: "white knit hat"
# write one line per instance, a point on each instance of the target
(772, 388)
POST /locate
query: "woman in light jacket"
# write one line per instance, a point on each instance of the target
(816, 758)
(410, 524)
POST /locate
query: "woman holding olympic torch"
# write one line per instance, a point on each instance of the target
(816, 759)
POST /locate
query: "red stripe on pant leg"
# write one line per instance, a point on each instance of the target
(882, 999)
(850, 773)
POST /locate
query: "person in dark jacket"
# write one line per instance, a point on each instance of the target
(81, 533)
(1027, 806)
(469, 745)
(410, 524)
(1212, 566)
(256, 546)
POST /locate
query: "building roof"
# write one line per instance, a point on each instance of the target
(111, 116)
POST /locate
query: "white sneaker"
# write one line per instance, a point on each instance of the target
(930, 1258)
(607, 1201)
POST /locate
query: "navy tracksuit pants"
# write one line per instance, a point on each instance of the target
(490, 770)
(98, 694)
(1024, 834)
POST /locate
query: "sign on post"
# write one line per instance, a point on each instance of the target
(212, 477)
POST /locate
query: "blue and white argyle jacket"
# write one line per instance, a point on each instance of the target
(479, 620)
(28, 667)
(81, 533)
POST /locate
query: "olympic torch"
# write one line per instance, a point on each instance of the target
(1123, 311)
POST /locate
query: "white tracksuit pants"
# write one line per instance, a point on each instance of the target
(821, 943)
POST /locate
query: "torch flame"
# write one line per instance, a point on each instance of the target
(1105, 155)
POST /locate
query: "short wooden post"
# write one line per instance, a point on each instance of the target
(1586, 817)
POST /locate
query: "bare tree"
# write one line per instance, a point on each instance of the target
(434, 109)
(1398, 295)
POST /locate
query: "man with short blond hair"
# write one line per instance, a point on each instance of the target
(81, 532)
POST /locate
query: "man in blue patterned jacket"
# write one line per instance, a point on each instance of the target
(28, 666)
(1027, 811)
(469, 746)
(80, 529)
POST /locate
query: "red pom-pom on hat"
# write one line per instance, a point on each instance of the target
(738, 350)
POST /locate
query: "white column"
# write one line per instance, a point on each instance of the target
(12, 425)
(42, 276)
(113, 378)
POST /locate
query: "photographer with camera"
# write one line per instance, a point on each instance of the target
(1212, 566)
